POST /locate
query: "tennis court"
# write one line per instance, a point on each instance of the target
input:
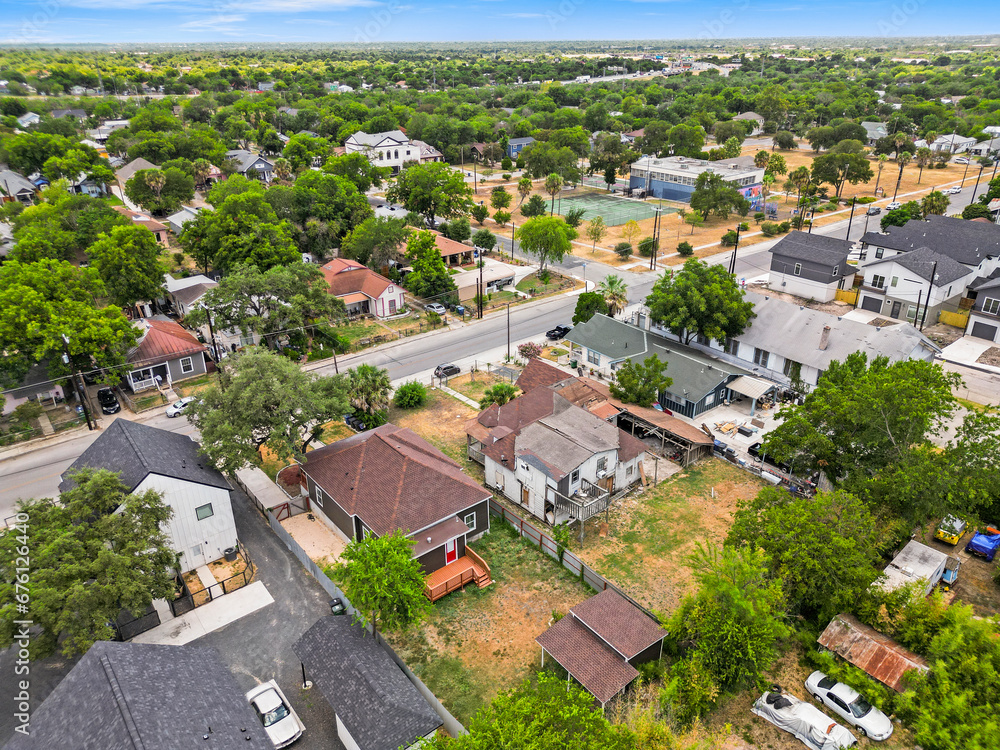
(612, 209)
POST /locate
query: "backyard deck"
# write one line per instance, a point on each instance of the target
(453, 576)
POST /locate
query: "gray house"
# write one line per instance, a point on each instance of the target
(121, 696)
(984, 321)
(810, 265)
(16, 187)
(166, 352)
(914, 286)
(251, 165)
(874, 131)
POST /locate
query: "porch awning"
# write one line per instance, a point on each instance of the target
(354, 297)
(751, 387)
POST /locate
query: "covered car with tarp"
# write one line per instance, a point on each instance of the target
(811, 726)
(984, 545)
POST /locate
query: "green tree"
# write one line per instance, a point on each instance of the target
(523, 188)
(714, 195)
(534, 207)
(935, 202)
(589, 304)
(499, 394)
(357, 168)
(368, 388)
(615, 293)
(864, 416)
(838, 168)
(500, 198)
(687, 140)
(303, 150)
(480, 212)
(264, 400)
(375, 241)
(484, 239)
(609, 156)
(776, 165)
(732, 148)
(761, 159)
(641, 384)
(723, 131)
(94, 551)
(502, 218)
(700, 300)
(623, 250)
(383, 580)
(596, 230)
(976, 211)
(923, 158)
(433, 190)
(548, 237)
(784, 140)
(553, 184)
(160, 191)
(694, 220)
(429, 278)
(128, 260)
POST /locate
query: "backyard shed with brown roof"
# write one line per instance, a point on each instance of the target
(877, 655)
(601, 641)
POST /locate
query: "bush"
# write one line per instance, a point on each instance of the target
(433, 319)
(759, 217)
(506, 164)
(320, 352)
(372, 419)
(528, 350)
(769, 228)
(646, 245)
(506, 176)
(623, 250)
(178, 258)
(784, 226)
(410, 395)
(685, 249)
(797, 222)
(940, 165)
(293, 354)
(501, 393)
(728, 239)
(574, 216)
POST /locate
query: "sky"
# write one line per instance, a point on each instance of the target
(381, 21)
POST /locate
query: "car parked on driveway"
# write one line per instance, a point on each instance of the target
(850, 705)
(281, 723)
(558, 332)
(179, 407)
(962, 160)
(893, 206)
(446, 371)
(108, 400)
(435, 307)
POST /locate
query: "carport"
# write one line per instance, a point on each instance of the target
(752, 388)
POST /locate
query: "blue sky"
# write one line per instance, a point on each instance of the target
(111, 21)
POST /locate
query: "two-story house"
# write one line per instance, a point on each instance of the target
(516, 145)
(555, 459)
(810, 265)
(984, 320)
(757, 121)
(391, 149)
(914, 286)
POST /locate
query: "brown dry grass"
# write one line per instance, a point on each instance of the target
(474, 384)
(441, 422)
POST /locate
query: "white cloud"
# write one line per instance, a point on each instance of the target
(222, 6)
(222, 24)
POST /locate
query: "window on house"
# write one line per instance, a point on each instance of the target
(524, 466)
(204, 511)
(879, 252)
(593, 357)
(798, 269)
(395, 154)
(187, 365)
(732, 346)
(602, 463)
(836, 270)
(895, 280)
(246, 340)
(366, 533)
(760, 357)
(878, 281)
(791, 366)
(407, 153)
(628, 471)
(470, 521)
(709, 399)
(911, 312)
(319, 497)
(574, 477)
(381, 156)
(991, 306)
(702, 339)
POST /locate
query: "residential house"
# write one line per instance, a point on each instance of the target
(377, 706)
(674, 177)
(121, 696)
(84, 185)
(700, 382)
(186, 295)
(755, 119)
(952, 144)
(427, 152)
(993, 130)
(875, 654)
(98, 147)
(494, 276)
(914, 286)
(874, 131)
(631, 137)
(201, 526)
(986, 148)
(251, 165)
(264, 86)
(124, 174)
(37, 385)
(453, 253)
(142, 219)
(103, 131)
(791, 344)
(391, 149)
(813, 266)
(984, 320)
(601, 642)
(16, 187)
(176, 221)
(76, 114)
(165, 353)
(516, 145)
(28, 119)
(390, 479)
(557, 460)
(363, 290)
(915, 563)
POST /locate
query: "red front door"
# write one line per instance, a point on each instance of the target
(450, 551)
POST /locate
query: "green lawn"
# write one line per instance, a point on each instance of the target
(556, 283)
(359, 330)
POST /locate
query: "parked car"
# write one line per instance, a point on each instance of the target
(179, 407)
(558, 332)
(280, 721)
(446, 371)
(435, 307)
(754, 451)
(984, 544)
(893, 206)
(108, 400)
(849, 704)
(953, 190)
(807, 723)
(950, 530)
(962, 160)
(873, 211)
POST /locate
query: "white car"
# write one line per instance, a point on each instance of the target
(280, 722)
(849, 704)
(962, 160)
(893, 206)
(953, 190)
(179, 407)
(435, 307)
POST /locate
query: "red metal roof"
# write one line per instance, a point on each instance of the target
(162, 341)
(874, 653)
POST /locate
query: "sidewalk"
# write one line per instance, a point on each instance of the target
(967, 351)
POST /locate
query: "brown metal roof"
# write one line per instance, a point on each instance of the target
(874, 653)
(163, 340)
(625, 627)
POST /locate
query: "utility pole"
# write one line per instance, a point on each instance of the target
(930, 291)
(482, 288)
(79, 385)
(508, 331)
(976, 188)
(513, 226)
(849, 220)
(732, 262)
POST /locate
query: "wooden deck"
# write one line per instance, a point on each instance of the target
(465, 570)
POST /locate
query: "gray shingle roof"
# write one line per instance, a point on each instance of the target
(989, 282)
(373, 139)
(921, 262)
(137, 450)
(378, 704)
(814, 247)
(12, 183)
(968, 242)
(244, 159)
(130, 696)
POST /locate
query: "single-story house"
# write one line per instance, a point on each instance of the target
(555, 459)
(37, 386)
(453, 253)
(125, 173)
(186, 293)
(601, 642)
(363, 290)
(16, 187)
(251, 165)
(914, 286)
(516, 145)
(390, 479)
(121, 696)
(377, 706)
(84, 185)
(166, 352)
(986, 148)
(952, 144)
(495, 276)
(103, 131)
(874, 131)
(142, 219)
(28, 119)
(202, 526)
(633, 136)
(877, 655)
(755, 119)
(984, 319)
(176, 221)
(427, 151)
(77, 114)
(916, 562)
(813, 266)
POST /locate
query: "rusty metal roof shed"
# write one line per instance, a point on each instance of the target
(877, 655)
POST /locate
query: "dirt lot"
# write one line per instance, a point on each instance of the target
(834, 307)
(990, 357)
(975, 584)
(477, 642)
(441, 422)
(650, 532)
(317, 539)
(474, 385)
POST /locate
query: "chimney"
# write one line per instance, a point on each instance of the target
(824, 338)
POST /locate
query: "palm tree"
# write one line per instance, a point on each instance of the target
(800, 177)
(615, 293)
(523, 188)
(553, 184)
(768, 183)
(882, 159)
(922, 159)
(155, 181)
(902, 160)
(369, 388)
(282, 168)
(200, 169)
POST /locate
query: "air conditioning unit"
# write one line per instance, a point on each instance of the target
(601, 474)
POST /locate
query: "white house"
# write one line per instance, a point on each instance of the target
(201, 526)
(984, 320)
(914, 286)
(363, 290)
(953, 143)
(756, 120)
(391, 149)
(251, 165)
(916, 562)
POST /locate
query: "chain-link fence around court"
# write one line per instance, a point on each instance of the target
(613, 209)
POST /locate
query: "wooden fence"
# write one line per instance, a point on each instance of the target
(850, 296)
(958, 319)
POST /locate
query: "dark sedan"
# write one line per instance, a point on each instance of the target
(558, 332)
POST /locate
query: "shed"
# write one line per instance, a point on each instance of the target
(915, 562)
(877, 655)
